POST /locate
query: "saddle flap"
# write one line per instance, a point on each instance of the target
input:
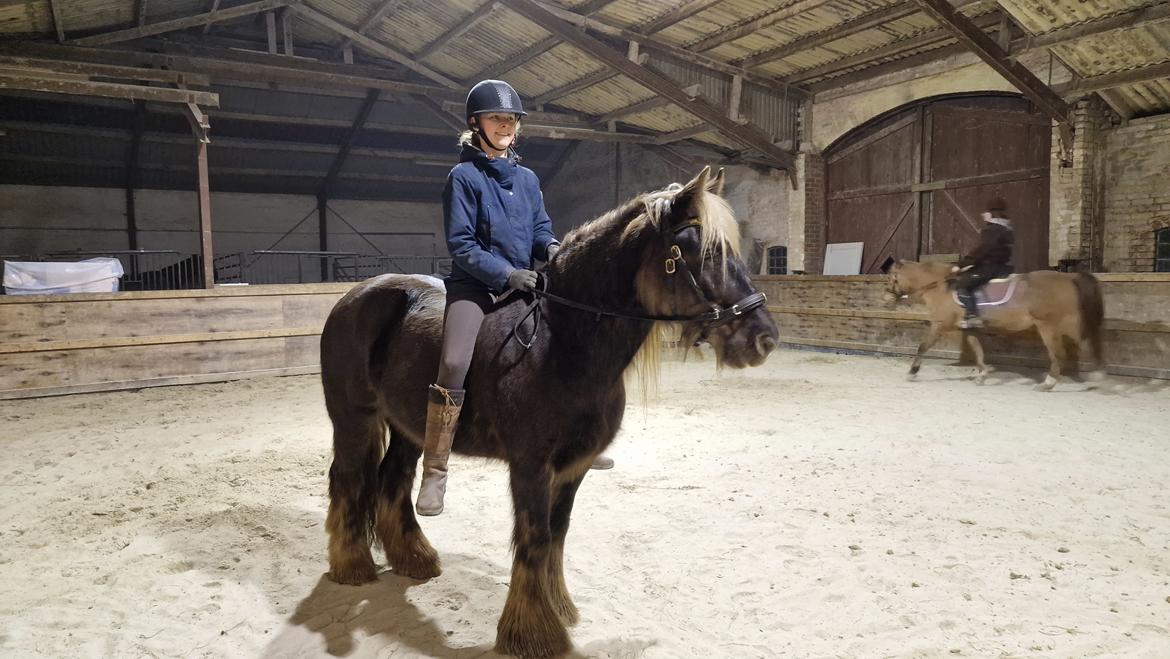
(995, 292)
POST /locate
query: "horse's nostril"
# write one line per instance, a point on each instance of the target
(765, 344)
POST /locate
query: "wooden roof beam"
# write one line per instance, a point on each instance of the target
(923, 40)
(518, 59)
(698, 59)
(375, 47)
(755, 24)
(347, 142)
(652, 103)
(848, 28)
(676, 15)
(180, 23)
(997, 58)
(38, 65)
(714, 116)
(463, 27)
(1113, 80)
(368, 24)
(58, 24)
(54, 85)
(575, 86)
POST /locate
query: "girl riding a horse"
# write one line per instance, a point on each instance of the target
(496, 226)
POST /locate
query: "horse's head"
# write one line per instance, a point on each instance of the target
(909, 278)
(691, 268)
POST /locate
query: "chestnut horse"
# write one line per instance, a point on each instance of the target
(1061, 306)
(545, 391)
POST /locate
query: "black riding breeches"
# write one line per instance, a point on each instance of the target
(464, 314)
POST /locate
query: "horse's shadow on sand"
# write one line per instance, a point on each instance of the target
(389, 622)
(1002, 375)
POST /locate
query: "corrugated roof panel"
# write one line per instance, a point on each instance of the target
(556, 68)
(495, 38)
(1147, 98)
(603, 97)
(1118, 50)
(632, 13)
(416, 23)
(1039, 16)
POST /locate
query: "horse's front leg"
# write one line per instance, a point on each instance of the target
(932, 334)
(529, 626)
(565, 486)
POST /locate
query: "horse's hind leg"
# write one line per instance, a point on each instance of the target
(562, 508)
(977, 348)
(407, 550)
(353, 477)
(1054, 341)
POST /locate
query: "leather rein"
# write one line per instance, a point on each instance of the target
(717, 316)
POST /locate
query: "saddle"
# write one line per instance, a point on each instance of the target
(995, 293)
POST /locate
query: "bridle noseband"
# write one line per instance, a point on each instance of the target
(717, 316)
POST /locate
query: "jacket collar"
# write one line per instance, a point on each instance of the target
(500, 169)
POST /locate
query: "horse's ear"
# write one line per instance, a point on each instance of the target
(715, 186)
(697, 183)
(688, 196)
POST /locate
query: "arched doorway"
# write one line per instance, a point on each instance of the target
(913, 182)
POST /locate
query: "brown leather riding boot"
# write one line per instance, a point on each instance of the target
(443, 407)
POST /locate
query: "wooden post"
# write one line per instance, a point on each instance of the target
(206, 252)
(132, 173)
(270, 20)
(323, 232)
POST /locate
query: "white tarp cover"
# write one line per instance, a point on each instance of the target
(98, 275)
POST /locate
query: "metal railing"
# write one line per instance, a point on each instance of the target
(359, 268)
(146, 269)
(266, 266)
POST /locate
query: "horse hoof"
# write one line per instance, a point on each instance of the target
(533, 647)
(417, 567)
(1047, 385)
(354, 575)
(980, 379)
(912, 376)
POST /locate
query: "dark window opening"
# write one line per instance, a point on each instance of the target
(778, 260)
(1162, 250)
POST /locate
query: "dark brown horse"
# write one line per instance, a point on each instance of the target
(1065, 308)
(547, 410)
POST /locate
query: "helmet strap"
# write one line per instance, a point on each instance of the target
(483, 135)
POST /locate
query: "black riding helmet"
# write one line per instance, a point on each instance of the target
(492, 96)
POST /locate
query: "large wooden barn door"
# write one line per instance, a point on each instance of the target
(915, 182)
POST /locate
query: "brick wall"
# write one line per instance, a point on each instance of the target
(1076, 188)
(1137, 199)
(813, 187)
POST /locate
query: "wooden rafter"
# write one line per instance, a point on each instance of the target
(1113, 80)
(601, 27)
(575, 86)
(180, 23)
(518, 59)
(676, 15)
(37, 65)
(652, 103)
(373, 46)
(42, 83)
(754, 24)
(58, 24)
(846, 29)
(714, 116)
(989, 51)
(373, 19)
(463, 27)
(347, 142)
(1143, 16)
(211, 9)
(923, 40)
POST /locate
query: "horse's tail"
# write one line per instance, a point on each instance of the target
(1092, 307)
(352, 343)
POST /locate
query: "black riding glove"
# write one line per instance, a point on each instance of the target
(522, 280)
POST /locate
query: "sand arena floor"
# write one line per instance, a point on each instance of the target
(819, 506)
